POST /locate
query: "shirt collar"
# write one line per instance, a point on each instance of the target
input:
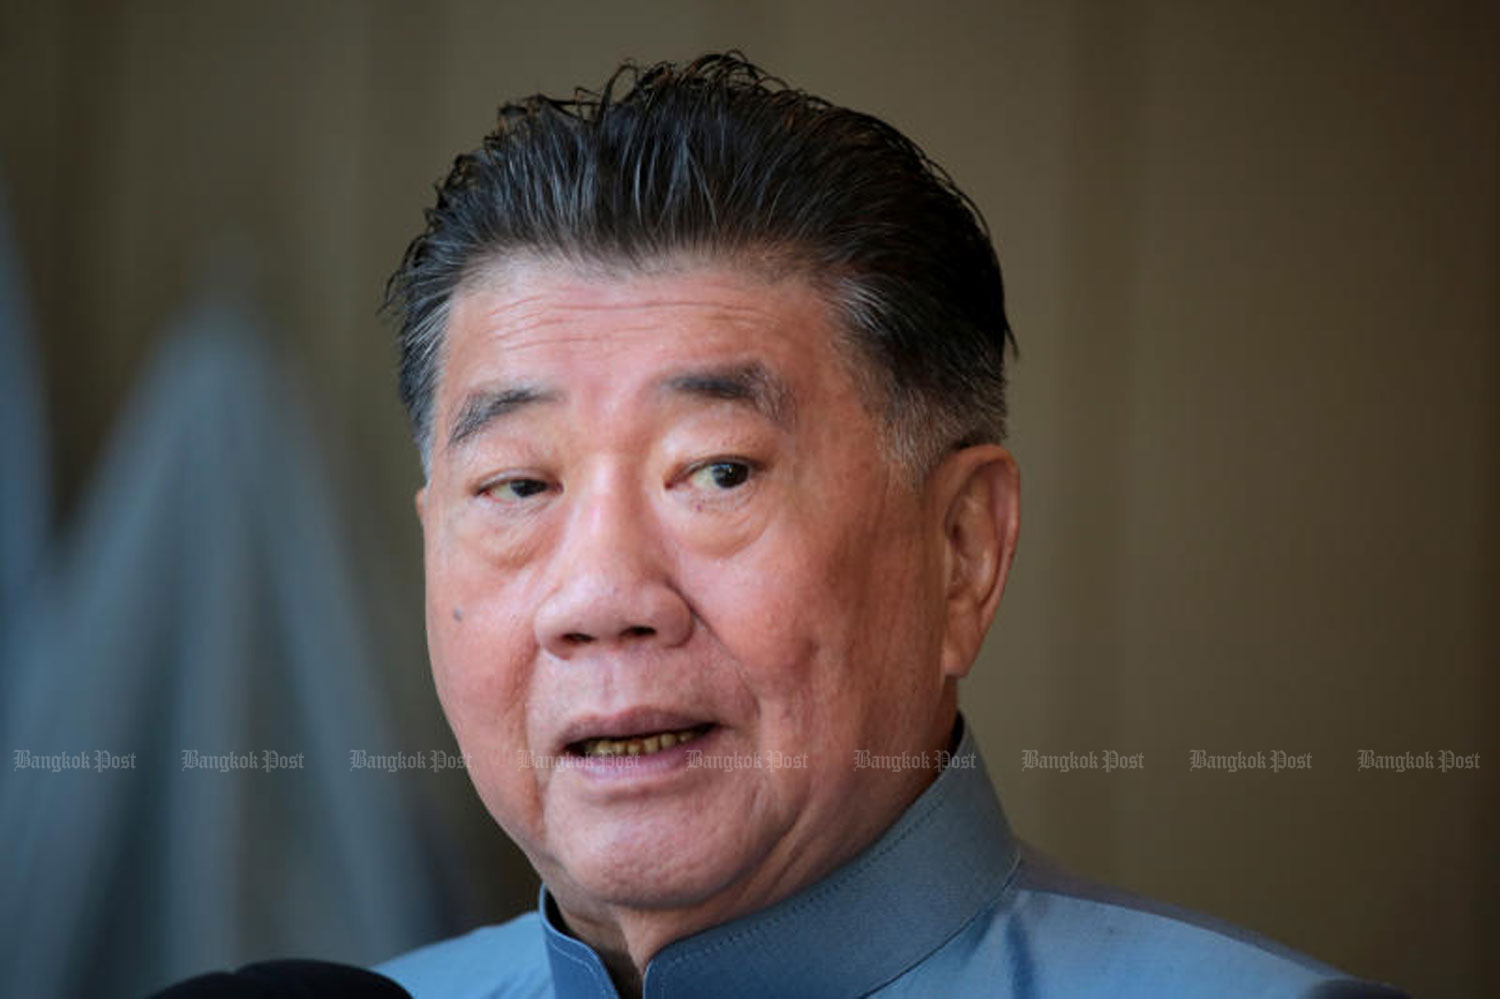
(947, 857)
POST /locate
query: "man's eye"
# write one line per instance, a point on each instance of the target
(516, 489)
(722, 475)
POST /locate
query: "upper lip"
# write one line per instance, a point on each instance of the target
(636, 721)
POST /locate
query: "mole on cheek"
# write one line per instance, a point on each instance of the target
(458, 613)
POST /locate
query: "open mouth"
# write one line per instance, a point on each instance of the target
(643, 744)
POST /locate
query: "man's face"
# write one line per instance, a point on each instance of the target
(667, 528)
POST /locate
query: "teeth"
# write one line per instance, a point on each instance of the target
(641, 746)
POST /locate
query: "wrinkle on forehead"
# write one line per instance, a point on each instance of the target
(540, 301)
(536, 314)
(502, 311)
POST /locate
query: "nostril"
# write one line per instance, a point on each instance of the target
(577, 638)
(639, 631)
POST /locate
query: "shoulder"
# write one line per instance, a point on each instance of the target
(507, 961)
(1055, 935)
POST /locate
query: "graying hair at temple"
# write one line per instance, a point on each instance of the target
(717, 162)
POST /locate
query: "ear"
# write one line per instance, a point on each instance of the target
(421, 502)
(979, 490)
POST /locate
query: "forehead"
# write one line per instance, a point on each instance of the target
(554, 320)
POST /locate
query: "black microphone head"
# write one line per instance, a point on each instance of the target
(290, 979)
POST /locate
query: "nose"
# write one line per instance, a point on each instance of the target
(610, 581)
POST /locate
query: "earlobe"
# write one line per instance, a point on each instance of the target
(980, 527)
(421, 504)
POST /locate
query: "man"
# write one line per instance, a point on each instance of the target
(707, 376)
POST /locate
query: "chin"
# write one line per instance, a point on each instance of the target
(646, 867)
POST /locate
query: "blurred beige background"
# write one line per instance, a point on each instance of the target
(1252, 257)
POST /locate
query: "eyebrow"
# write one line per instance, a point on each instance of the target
(485, 406)
(752, 384)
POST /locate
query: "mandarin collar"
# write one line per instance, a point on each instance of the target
(947, 858)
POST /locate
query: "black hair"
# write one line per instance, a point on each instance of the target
(717, 160)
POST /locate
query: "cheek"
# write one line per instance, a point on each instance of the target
(483, 688)
(480, 648)
(790, 611)
(831, 624)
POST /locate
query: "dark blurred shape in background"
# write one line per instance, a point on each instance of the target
(186, 680)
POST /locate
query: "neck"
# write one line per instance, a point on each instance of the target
(624, 973)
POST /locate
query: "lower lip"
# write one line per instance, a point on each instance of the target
(628, 768)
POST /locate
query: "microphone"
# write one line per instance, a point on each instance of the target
(288, 979)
